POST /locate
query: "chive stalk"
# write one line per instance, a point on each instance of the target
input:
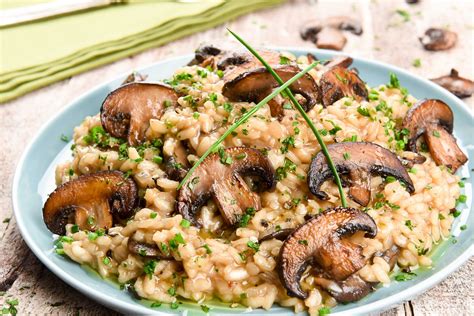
(296, 104)
(242, 119)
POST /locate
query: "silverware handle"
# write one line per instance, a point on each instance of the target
(44, 10)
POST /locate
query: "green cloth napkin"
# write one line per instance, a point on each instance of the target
(37, 54)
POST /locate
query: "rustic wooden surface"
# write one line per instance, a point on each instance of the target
(386, 37)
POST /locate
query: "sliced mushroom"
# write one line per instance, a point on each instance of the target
(359, 160)
(438, 39)
(341, 61)
(320, 241)
(177, 166)
(281, 234)
(345, 23)
(433, 119)
(354, 287)
(126, 112)
(330, 38)
(409, 159)
(220, 176)
(339, 82)
(91, 201)
(135, 77)
(460, 87)
(254, 85)
(146, 250)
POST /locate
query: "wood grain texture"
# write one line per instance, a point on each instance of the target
(386, 37)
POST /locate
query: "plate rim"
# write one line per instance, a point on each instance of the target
(116, 304)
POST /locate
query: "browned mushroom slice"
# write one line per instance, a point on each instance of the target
(126, 112)
(330, 38)
(321, 241)
(254, 85)
(341, 61)
(434, 120)
(91, 201)
(460, 87)
(281, 234)
(220, 176)
(135, 77)
(339, 82)
(359, 160)
(177, 166)
(438, 39)
(354, 287)
(146, 250)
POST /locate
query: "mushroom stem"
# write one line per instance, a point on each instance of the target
(300, 109)
(244, 118)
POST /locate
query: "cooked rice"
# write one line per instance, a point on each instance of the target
(206, 267)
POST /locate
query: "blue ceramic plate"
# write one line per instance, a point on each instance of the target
(34, 180)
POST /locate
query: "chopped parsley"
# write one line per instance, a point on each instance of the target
(249, 213)
(205, 308)
(409, 224)
(228, 107)
(224, 158)
(74, 229)
(324, 311)
(157, 159)
(461, 199)
(106, 261)
(253, 245)
(174, 305)
(176, 240)
(363, 111)
(463, 227)
(405, 276)
(436, 134)
(404, 14)
(286, 143)
(284, 60)
(208, 249)
(64, 138)
(288, 166)
(196, 115)
(303, 242)
(172, 291)
(416, 63)
(220, 73)
(394, 82)
(185, 223)
(149, 268)
(390, 179)
(346, 156)
(155, 304)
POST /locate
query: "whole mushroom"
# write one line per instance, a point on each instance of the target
(91, 201)
(220, 176)
(436, 39)
(433, 119)
(321, 242)
(459, 86)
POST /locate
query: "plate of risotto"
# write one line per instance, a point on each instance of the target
(236, 181)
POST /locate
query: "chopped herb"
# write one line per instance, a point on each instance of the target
(346, 156)
(335, 130)
(185, 223)
(90, 220)
(193, 183)
(167, 103)
(174, 305)
(224, 158)
(7, 220)
(323, 132)
(461, 199)
(127, 174)
(416, 63)
(164, 248)
(71, 172)
(404, 14)
(176, 240)
(172, 291)
(243, 296)
(157, 159)
(208, 249)
(205, 308)
(405, 276)
(324, 311)
(253, 245)
(106, 261)
(461, 184)
(441, 216)
(287, 106)
(288, 166)
(153, 215)
(363, 111)
(220, 73)
(394, 82)
(341, 79)
(284, 60)
(149, 268)
(436, 134)
(303, 242)
(422, 251)
(409, 224)
(456, 213)
(245, 131)
(249, 213)
(92, 236)
(288, 141)
(196, 115)
(463, 227)
(64, 138)
(155, 304)
(296, 130)
(412, 170)
(240, 156)
(202, 73)
(74, 228)
(390, 179)
(212, 97)
(228, 107)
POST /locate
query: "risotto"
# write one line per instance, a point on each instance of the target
(166, 252)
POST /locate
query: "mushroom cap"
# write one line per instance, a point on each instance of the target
(438, 39)
(434, 120)
(255, 84)
(320, 241)
(146, 250)
(126, 111)
(359, 160)
(330, 38)
(338, 82)
(224, 183)
(460, 87)
(104, 195)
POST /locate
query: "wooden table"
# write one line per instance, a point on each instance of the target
(386, 37)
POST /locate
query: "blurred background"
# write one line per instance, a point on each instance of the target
(50, 55)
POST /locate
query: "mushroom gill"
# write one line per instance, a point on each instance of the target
(91, 201)
(338, 82)
(433, 119)
(320, 242)
(126, 111)
(220, 176)
(358, 160)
